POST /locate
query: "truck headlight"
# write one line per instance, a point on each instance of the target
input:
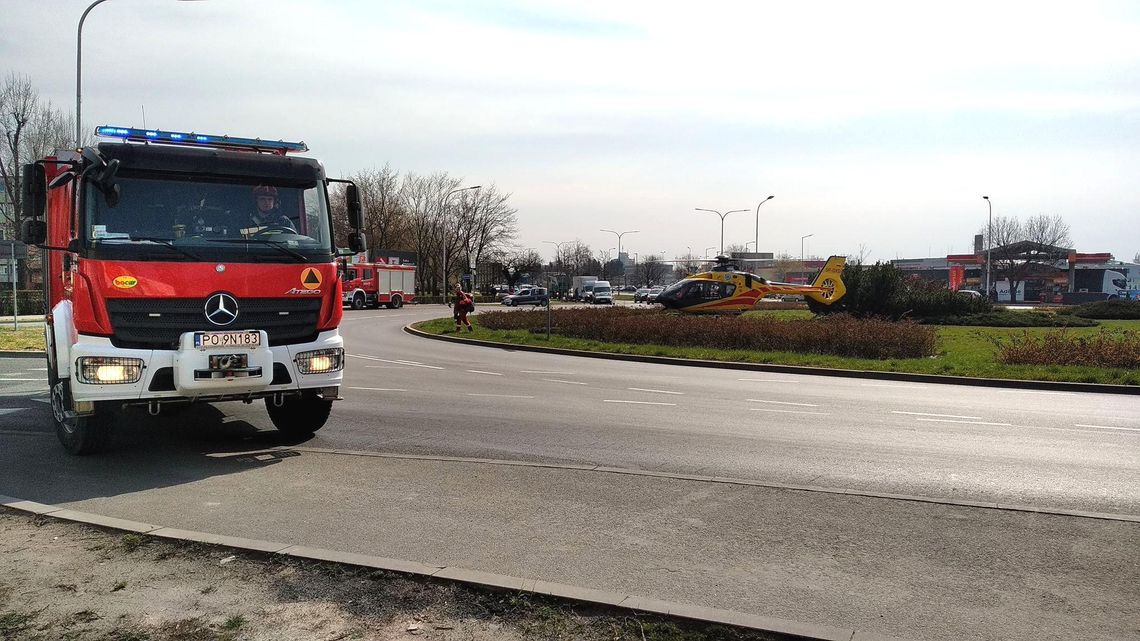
(320, 361)
(109, 370)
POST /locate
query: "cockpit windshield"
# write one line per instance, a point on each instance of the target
(178, 218)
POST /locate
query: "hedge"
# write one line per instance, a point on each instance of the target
(1006, 318)
(1103, 349)
(1110, 310)
(29, 301)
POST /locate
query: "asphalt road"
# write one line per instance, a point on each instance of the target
(892, 566)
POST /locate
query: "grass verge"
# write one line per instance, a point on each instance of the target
(24, 338)
(962, 351)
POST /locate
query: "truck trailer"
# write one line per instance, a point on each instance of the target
(186, 268)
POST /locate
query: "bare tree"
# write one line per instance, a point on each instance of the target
(785, 265)
(859, 256)
(422, 198)
(576, 259)
(516, 262)
(651, 271)
(385, 220)
(604, 256)
(1136, 258)
(1019, 250)
(487, 223)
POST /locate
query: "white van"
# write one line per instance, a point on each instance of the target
(601, 293)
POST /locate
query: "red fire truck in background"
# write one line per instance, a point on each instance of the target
(376, 284)
(167, 284)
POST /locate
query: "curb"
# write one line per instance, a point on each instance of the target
(20, 353)
(1054, 386)
(788, 627)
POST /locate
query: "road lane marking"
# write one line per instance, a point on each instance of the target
(654, 391)
(501, 395)
(891, 385)
(539, 371)
(757, 400)
(11, 410)
(946, 420)
(384, 360)
(379, 389)
(767, 409)
(976, 418)
(387, 367)
(608, 400)
(768, 380)
(22, 379)
(558, 380)
(1109, 427)
(479, 371)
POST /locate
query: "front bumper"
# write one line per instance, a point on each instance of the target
(170, 374)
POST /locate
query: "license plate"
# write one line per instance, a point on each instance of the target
(227, 339)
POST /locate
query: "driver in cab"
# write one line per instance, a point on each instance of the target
(267, 214)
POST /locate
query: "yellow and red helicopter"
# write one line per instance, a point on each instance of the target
(724, 289)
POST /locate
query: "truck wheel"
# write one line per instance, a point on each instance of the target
(396, 303)
(79, 435)
(299, 415)
(358, 301)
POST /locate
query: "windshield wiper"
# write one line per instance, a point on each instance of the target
(165, 242)
(276, 244)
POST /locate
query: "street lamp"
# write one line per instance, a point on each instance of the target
(707, 251)
(721, 223)
(443, 263)
(802, 238)
(757, 241)
(989, 243)
(619, 235)
(79, 70)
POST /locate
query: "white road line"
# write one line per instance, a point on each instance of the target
(402, 360)
(387, 367)
(901, 386)
(1109, 427)
(38, 369)
(379, 389)
(558, 380)
(479, 371)
(768, 380)
(538, 371)
(608, 400)
(946, 420)
(654, 391)
(22, 379)
(757, 400)
(1028, 391)
(976, 418)
(384, 360)
(766, 409)
(501, 395)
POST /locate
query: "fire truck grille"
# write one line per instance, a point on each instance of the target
(157, 323)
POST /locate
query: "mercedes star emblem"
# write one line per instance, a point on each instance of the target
(221, 309)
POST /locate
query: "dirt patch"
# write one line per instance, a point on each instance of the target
(62, 580)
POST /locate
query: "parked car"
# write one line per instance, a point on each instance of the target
(601, 293)
(533, 296)
(970, 293)
(651, 295)
(640, 295)
(629, 288)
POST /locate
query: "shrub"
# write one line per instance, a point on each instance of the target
(1103, 349)
(29, 301)
(1110, 310)
(884, 290)
(840, 335)
(1006, 318)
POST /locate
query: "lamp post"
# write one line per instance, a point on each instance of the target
(443, 263)
(757, 241)
(619, 235)
(989, 243)
(707, 251)
(558, 254)
(802, 238)
(722, 216)
(79, 71)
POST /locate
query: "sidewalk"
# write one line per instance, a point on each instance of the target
(893, 567)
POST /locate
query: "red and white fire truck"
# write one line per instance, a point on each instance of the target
(186, 268)
(376, 284)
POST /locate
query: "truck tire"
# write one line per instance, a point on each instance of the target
(396, 303)
(79, 435)
(358, 301)
(299, 416)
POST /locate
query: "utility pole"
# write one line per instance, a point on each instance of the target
(989, 244)
(756, 246)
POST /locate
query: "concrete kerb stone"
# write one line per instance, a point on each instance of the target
(1053, 386)
(475, 577)
(20, 353)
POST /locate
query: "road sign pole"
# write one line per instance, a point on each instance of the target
(15, 307)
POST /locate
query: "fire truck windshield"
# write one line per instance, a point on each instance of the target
(188, 218)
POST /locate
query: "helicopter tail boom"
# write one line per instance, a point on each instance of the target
(829, 281)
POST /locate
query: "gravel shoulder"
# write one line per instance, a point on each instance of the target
(62, 580)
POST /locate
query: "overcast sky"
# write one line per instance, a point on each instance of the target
(876, 123)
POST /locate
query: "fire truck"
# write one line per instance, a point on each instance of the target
(376, 284)
(185, 268)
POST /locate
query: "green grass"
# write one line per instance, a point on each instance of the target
(963, 351)
(25, 338)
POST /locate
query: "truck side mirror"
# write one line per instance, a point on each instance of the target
(357, 243)
(33, 232)
(355, 210)
(34, 191)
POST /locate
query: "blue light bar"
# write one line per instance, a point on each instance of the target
(200, 140)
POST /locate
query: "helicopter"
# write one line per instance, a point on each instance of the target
(724, 289)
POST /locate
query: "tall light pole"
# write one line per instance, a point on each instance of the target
(79, 71)
(619, 235)
(989, 243)
(722, 216)
(443, 263)
(756, 243)
(558, 257)
(802, 238)
(707, 251)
